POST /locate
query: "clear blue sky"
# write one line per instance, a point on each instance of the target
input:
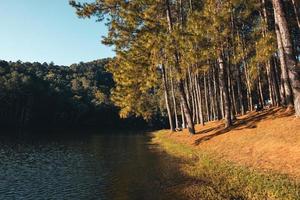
(48, 30)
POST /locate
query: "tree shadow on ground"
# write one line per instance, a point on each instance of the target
(173, 182)
(245, 122)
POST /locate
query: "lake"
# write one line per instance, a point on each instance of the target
(91, 166)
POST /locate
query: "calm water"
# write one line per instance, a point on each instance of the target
(90, 167)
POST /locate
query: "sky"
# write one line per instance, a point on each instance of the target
(49, 31)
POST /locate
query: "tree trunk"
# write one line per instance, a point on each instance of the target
(231, 91)
(196, 99)
(261, 95)
(186, 108)
(190, 89)
(187, 93)
(293, 69)
(284, 72)
(174, 105)
(212, 99)
(182, 117)
(275, 82)
(224, 86)
(167, 98)
(248, 84)
(199, 95)
(296, 11)
(206, 98)
(249, 91)
(271, 91)
(217, 93)
(239, 90)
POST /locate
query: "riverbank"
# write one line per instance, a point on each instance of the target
(258, 158)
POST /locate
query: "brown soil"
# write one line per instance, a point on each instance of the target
(267, 140)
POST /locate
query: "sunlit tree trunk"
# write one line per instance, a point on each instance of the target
(249, 91)
(212, 96)
(296, 7)
(224, 86)
(284, 72)
(277, 81)
(216, 92)
(174, 104)
(260, 91)
(187, 93)
(293, 69)
(191, 91)
(206, 98)
(166, 94)
(271, 92)
(196, 99)
(231, 89)
(182, 117)
(186, 108)
(199, 97)
(275, 85)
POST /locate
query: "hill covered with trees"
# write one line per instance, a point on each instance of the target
(204, 59)
(35, 95)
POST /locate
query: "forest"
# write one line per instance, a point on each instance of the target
(190, 99)
(35, 96)
(195, 61)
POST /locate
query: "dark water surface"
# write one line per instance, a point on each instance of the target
(85, 167)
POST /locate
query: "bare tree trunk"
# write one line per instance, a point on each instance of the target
(196, 99)
(284, 72)
(293, 69)
(239, 90)
(272, 76)
(260, 101)
(224, 86)
(217, 93)
(282, 90)
(191, 88)
(187, 93)
(212, 98)
(231, 91)
(186, 108)
(199, 96)
(174, 103)
(249, 91)
(240, 104)
(276, 82)
(167, 98)
(182, 117)
(261, 95)
(206, 98)
(248, 84)
(296, 11)
(222, 104)
(271, 91)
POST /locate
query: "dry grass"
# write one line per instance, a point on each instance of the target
(268, 140)
(258, 158)
(193, 174)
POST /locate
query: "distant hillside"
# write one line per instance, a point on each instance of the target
(34, 95)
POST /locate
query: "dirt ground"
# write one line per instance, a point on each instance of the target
(267, 140)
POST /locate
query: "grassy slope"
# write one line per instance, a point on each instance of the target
(246, 162)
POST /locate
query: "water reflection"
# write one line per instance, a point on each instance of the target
(89, 167)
